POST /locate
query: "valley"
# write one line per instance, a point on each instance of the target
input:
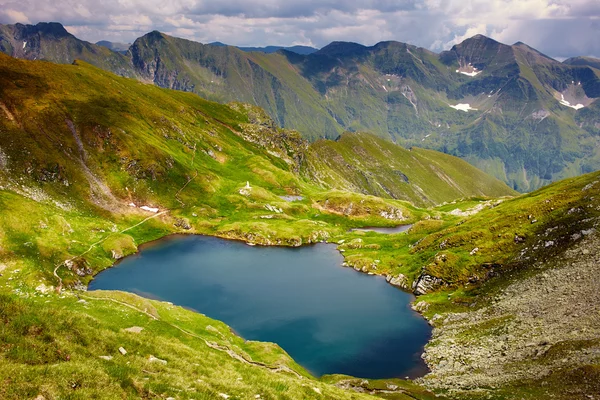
(93, 165)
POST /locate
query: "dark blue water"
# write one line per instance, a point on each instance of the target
(330, 319)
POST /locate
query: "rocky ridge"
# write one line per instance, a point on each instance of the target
(540, 324)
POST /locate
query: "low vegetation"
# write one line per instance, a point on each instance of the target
(92, 166)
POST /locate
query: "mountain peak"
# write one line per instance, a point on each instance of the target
(151, 37)
(532, 54)
(335, 49)
(479, 40)
(55, 29)
(479, 36)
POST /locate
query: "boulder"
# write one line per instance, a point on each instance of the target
(158, 360)
(426, 283)
(400, 281)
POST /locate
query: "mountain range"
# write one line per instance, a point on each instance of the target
(114, 46)
(93, 165)
(272, 49)
(510, 110)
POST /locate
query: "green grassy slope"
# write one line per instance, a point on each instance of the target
(81, 151)
(517, 131)
(230, 74)
(361, 162)
(79, 145)
(500, 230)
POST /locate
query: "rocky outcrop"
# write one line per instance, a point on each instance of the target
(543, 322)
(426, 283)
(263, 131)
(257, 238)
(183, 223)
(116, 254)
(400, 281)
(79, 266)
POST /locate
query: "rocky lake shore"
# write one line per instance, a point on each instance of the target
(535, 328)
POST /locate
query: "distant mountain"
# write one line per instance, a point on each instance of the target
(106, 139)
(508, 109)
(118, 47)
(272, 49)
(50, 41)
(584, 61)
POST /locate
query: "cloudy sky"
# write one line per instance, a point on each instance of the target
(559, 28)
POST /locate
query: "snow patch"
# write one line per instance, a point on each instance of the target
(151, 209)
(384, 88)
(463, 107)
(131, 205)
(566, 103)
(474, 73)
(469, 70)
(24, 44)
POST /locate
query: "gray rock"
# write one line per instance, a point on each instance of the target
(134, 329)
(158, 360)
(400, 281)
(426, 283)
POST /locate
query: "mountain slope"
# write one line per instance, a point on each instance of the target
(51, 42)
(361, 162)
(510, 110)
(86, 156)
(586, 61)
(228, 74)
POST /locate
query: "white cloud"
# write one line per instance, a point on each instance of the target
(14, 15)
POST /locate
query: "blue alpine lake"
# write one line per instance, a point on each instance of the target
(329, 318)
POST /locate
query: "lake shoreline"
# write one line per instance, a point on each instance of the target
(420, 370)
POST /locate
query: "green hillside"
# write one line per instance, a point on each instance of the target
(91, 166)
(363, 163)
(531, 120)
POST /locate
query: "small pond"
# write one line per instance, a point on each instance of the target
(330, 319)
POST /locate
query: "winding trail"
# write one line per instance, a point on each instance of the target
(55, 272)
(212, 345)
(183, 187)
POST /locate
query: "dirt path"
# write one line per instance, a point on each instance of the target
(212, 345)
(55, 272)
